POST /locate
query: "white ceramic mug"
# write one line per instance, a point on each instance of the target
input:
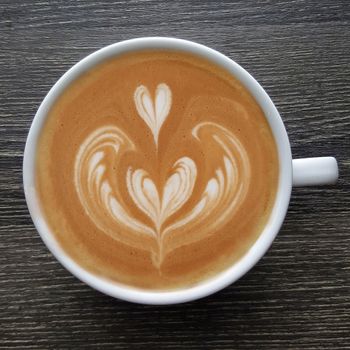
(300, 172)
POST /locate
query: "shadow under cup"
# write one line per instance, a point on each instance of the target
(222, 279)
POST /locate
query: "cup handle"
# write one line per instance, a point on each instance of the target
(315, 171)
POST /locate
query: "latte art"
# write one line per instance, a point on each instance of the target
(156, 170)
(153, 113)
(104, 204)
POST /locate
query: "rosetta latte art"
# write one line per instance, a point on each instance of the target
(100, 153)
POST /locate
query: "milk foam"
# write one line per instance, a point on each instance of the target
(154, 112)
(104, 204)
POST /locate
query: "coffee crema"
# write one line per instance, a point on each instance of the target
(156, 169)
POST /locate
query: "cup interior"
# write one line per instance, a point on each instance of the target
(226, 277)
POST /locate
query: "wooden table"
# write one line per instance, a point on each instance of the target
(298, 296)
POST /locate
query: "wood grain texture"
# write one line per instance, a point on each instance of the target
(298, 296)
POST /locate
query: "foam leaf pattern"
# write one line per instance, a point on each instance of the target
(161, 232)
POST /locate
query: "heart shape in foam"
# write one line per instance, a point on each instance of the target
(154, 113)
(177, 190)
(105, 206)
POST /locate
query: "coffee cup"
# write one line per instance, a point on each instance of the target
(291, 172)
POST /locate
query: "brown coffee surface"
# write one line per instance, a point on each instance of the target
(156, 169)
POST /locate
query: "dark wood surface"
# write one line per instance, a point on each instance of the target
(298, 296)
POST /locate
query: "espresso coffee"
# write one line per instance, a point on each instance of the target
(156, 169)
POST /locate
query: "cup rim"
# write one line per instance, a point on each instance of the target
(222, 279)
